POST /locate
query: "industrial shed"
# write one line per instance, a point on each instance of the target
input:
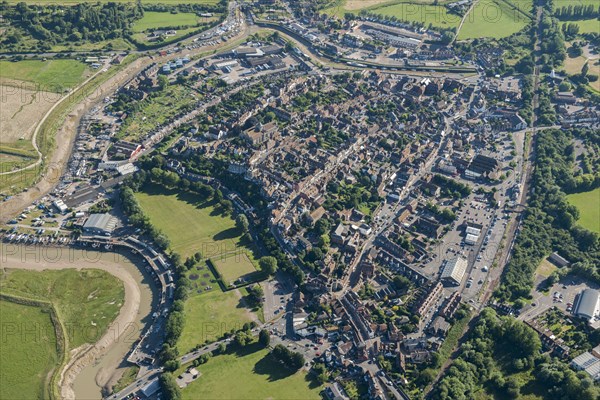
(587, 306)
(99, 225)
(454, 271)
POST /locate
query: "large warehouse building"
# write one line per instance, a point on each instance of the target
(454, 271)
(588, 305)
(99, 225)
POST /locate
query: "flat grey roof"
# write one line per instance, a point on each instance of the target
(104, 222)
(587, 303)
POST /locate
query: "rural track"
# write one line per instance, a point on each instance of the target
(462, 21)
(41, 122)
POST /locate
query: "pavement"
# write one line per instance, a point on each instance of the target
(277, 293)
(559, 295)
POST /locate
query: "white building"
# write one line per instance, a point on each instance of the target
(454, 271)
(589, 363)
(588, 305)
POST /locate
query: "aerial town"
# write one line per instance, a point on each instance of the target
(300, 200)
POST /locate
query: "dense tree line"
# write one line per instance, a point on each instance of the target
(452, 187)
(552, 45)
(198, 8)
(50, 25)
(550, 221)
(169, 387)
(570, 30)
(287, 358)
(577, 11)
(501, 353)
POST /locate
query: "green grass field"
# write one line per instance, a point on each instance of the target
(426, 14)
(565, 3)
(587, 25)
(28, 351)
(249, 375)
(340, 7)
(588, 204)
(495, 19)
(235, 266)
(155, 20)
(51, 75)
(86, 301)
(191, 224)
(210, 315)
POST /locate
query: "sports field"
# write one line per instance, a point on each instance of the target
(588, 204)
(495, 19)
(52, 75)
(155, 20)
(86, 301)
(191, 224)
(209, 315)
(28, 351)
(249, 375)
(426, 14)
(235, 266)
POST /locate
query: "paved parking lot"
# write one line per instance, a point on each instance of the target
(567, 289)
(278, 293)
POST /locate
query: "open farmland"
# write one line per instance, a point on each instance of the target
(28, 89)
(435, 15)
(565, 3)
(342, 7)
(255, 374)
(495, 19)
(27, 359)
(52, 75)
(87, 308)
(21, 109)
(155, 20)
(588, 204)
